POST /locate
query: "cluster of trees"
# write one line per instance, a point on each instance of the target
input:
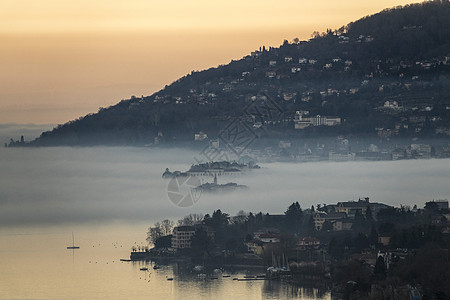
(410, 32)
(411, 231)
(160, 232)
(426, 269)
(407, 228)
(229, 232)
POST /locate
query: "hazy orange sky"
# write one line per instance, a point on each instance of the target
(63, 59)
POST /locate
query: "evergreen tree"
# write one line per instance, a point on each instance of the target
(327, 226)
(201, 243)
(373, 236)
(293, 217)
(380, 267)
(369, 217)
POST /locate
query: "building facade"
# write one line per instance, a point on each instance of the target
(181, 237)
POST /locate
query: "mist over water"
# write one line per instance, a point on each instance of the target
(50, 186)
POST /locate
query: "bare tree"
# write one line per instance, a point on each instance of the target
(166, 227)
(190, 220)
(154, 233)
(154, 119)
(240, 218)
(163, 228)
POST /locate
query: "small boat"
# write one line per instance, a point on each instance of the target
(198, 268)
(170, 278)
(144, 269)
(73, 244)
(156, 267)
(250, 279)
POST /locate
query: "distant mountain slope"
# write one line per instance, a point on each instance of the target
(388, 73)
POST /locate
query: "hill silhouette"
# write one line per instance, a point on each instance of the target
(388, 72)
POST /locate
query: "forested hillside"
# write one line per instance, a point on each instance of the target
(384, 75)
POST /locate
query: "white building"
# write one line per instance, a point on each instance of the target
(321, 217)
(301, 120)
(181, 237)
(200, 136)
(271, 74)
(319, 120)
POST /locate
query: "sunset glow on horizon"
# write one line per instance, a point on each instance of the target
(63, 59)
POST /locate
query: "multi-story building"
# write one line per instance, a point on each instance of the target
(350, 208)
(181, 237)
(302, 120)
(321, 217)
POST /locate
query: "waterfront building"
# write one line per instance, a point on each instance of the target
(181, 237)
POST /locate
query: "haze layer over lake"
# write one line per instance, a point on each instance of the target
(47, 186)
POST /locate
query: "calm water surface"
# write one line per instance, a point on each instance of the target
(38, 266)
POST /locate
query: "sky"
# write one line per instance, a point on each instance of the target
(60, 60)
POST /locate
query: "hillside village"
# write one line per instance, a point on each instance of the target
(400, 92)
(381, 244)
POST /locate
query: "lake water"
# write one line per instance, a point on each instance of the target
(38, 266)
(109, 196)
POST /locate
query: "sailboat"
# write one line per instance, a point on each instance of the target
(278, 267)
(73, 244)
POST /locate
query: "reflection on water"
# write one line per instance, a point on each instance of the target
(38, 265)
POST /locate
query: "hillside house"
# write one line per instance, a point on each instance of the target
(321, 217)
(201, 136)
(301, 121)
(271, 74)
(307, 243)
(350, 208)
